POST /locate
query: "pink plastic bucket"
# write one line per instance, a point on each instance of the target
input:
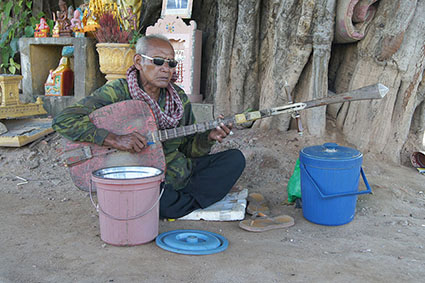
(128, 206)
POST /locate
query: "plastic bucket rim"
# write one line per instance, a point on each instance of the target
(158, 173)
(330, 159)
(331, 145)
(125, 184)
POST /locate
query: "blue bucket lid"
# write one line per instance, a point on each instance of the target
(331, 151)
(192, 242)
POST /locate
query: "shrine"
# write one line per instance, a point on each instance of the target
(187, 43)
(40, 55)
(17, 132)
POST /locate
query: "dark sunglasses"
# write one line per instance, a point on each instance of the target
(160, 61)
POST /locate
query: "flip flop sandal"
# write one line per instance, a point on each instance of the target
(265, 223)
(257, 204)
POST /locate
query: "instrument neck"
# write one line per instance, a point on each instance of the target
(167, 134)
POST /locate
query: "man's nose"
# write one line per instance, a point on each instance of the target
(165, 67)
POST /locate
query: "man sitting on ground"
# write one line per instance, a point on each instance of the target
(193, 178)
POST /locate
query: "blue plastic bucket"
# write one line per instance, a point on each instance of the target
(329, 183)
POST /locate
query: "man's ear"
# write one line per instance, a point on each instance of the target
(137, 60)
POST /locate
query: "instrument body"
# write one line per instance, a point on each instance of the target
(120, 118)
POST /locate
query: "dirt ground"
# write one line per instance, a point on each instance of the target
(50, 232)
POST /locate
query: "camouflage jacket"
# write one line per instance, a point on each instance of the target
(73, 123)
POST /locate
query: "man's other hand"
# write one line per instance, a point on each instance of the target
(133, 142)
(220, 132)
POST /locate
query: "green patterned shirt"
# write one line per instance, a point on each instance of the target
(74, 124)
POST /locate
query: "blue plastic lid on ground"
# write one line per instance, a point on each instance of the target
(192, 242)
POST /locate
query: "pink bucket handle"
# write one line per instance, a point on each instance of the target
(98, 208)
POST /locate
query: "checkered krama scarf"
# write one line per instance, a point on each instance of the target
(173, 110)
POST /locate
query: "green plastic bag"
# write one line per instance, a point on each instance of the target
(294, 184)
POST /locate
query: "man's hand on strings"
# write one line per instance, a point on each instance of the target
(220, 132)
(133, 142)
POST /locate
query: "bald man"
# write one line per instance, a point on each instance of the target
(194, 178)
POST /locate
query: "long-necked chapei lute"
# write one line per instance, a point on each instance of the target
(121, 118)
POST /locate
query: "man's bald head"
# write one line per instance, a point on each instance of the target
(145, 43)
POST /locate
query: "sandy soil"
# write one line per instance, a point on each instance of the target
(50, 231)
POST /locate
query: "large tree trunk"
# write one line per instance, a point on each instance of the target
(254, 47)
(391, 53)
(259, 46)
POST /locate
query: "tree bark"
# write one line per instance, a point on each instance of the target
(313, 83)
(285, 49)
(243, 90)
(261, 46)
(391, 53)
(418, 121)
(220, 76)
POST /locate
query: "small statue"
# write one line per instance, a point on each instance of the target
(131, 18)
(56, 28)
(60, 81)
(89, 21)
(70, 12)
(42, 29)
(76, 23)
(62, 18)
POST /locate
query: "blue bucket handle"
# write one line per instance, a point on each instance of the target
(367, 191)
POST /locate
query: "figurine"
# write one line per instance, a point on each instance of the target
(136, 7)
(131, 18)
(56, 28)
(70, 12)
(62, 18)
(89, 21)
(76, 23)
(42, 29)
(60, 81)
